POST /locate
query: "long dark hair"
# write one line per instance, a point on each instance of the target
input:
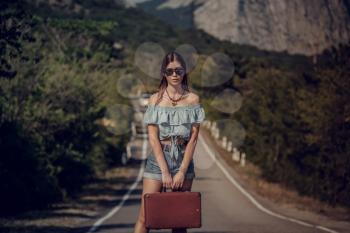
(170, 57)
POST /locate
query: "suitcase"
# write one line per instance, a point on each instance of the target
(168, 210)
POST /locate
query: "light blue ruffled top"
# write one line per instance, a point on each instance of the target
(174, 122)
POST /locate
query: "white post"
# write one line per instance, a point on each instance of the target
(217, 133)
(133, 129)
(224, 142)
(229, 146)
(212, 129)
(243, 159)
(213, 125)
(235, 155)
(207, 124)
(128, 150)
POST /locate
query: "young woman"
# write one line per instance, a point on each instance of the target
(173, 117)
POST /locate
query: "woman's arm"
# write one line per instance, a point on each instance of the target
(191, 145)
(156, 147)
(153, 132)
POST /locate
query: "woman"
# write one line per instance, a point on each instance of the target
(173, 117)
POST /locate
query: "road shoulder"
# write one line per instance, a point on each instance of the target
(277, 198)
(74, 215)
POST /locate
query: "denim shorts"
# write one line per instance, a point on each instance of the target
(152, 169)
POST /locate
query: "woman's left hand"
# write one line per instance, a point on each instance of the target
(178, 180)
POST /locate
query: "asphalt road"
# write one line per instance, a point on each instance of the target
(225, 208)
(226, 205)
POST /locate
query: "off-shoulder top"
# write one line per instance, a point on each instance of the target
(174, 122)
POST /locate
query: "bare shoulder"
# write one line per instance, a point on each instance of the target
(153, 98)
(193, 98)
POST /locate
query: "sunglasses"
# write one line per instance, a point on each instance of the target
(178, 71)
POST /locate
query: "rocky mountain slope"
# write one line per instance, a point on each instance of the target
(295, 26)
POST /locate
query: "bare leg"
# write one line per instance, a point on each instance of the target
(149, 186)
(187, 185)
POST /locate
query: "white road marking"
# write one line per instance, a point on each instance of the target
(251, 198)
(98, 223)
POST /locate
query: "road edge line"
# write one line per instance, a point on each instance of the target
(251, 198)
(112, 212)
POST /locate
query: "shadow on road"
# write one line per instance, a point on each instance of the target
(75, 215)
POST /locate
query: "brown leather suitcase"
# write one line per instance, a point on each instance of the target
(168, 210)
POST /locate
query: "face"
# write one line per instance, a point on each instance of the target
(174, 73)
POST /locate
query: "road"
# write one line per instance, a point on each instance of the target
(226, 205)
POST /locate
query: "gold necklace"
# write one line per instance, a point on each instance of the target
(174, 101)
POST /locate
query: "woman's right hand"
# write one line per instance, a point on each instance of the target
(167, 179)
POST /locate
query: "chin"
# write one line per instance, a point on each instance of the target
(176, 84)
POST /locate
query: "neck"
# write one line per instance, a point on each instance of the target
(174, 90)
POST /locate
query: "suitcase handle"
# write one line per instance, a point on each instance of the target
(164, 189)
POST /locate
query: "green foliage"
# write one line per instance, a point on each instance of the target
(25, 173)
(58, 76)
(14, 30)
(84, 25)
(271, 118)
(325, 109)
(50, 138)
(298, 127)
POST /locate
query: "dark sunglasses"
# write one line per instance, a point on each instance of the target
(178, 71)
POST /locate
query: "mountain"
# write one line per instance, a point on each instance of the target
(295, 26)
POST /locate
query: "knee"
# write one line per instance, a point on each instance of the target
(141, 217)
(142, 220)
